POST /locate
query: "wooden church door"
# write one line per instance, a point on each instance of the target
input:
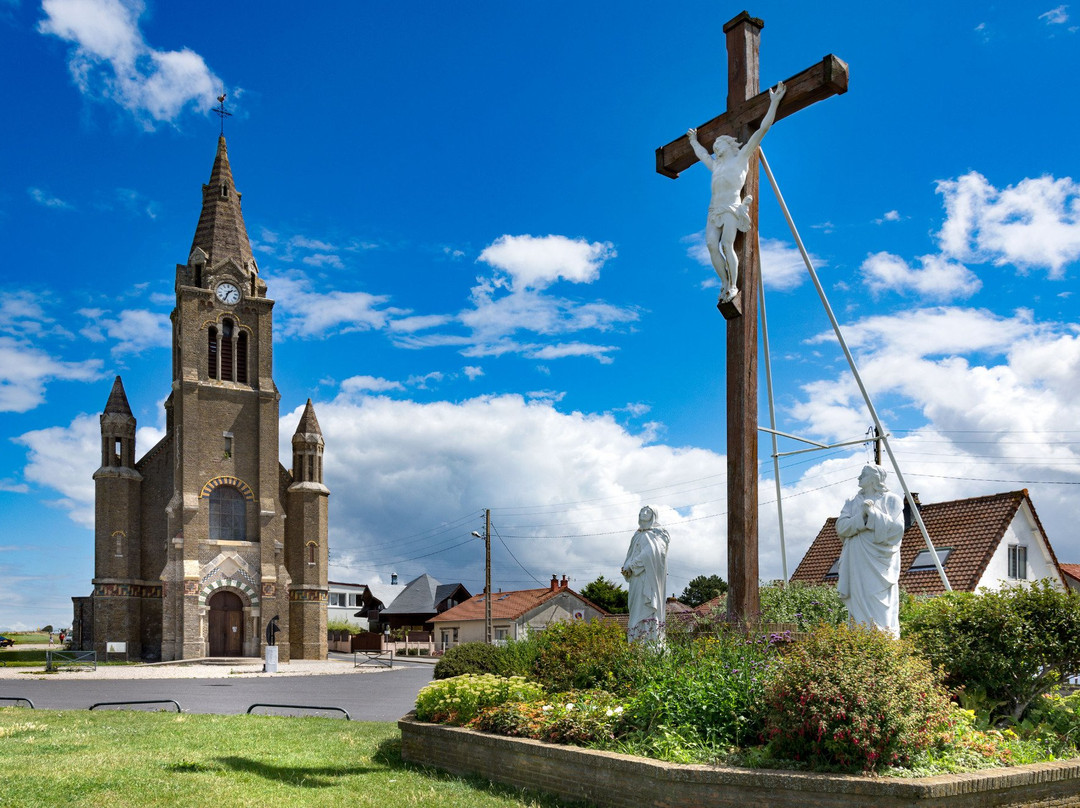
(226, 626)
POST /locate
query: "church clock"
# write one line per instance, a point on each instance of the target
(228, 293)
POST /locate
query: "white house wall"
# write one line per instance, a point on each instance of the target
(1024, 532)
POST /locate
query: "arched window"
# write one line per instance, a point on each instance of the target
(241, 358)
(228, 514)
(211, 353)
(312, 550)
(227, 335)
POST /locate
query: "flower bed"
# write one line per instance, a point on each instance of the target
(625, 781)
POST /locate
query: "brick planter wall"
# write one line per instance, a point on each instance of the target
(622, 781)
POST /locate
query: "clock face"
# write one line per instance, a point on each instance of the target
(228, 293)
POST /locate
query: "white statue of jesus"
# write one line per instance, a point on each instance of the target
(645, 571)
(728, 211)
(871, 526)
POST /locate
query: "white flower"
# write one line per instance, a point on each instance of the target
(569, 706)
(546, 708)
(618, 710)
(609, 713)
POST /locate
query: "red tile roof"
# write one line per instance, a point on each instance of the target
(1072, 571)
(507, 605)
(973, 528)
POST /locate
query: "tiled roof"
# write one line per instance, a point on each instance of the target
(507, 605)
(973, 528)
(1072, 571)
(421, 596)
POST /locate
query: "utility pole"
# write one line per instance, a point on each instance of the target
(877, 446)
(487, 574)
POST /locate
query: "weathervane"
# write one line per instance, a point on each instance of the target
(220, 110)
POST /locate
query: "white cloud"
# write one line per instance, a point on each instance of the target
(936, 279)
(26, 370)
(420, 322)
(47, 200)
(1055, 16)
(426, 465)
(64, 459)
(472, 372)
(135, 330)
(421, 382)
(360, 384)
(1033, 224)
(309, 312)
(535, 262)
(111, 60)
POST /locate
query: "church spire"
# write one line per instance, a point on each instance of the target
(117, 403)
(221, 233)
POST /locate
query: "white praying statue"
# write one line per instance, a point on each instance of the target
(645, 570)
(871, 526)
(728, 211)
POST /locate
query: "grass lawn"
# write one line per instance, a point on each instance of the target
(29, 637)
(113, 758)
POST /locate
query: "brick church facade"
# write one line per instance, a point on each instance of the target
(207, 537)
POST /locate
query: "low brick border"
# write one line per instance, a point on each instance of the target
(611, 780)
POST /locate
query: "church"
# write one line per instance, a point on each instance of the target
(206, 539)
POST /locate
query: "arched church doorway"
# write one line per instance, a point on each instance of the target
(226, 625)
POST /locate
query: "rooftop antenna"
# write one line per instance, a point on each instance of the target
(221, 112)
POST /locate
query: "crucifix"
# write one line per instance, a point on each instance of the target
(746, 109)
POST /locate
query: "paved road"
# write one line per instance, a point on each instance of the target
(383, 696)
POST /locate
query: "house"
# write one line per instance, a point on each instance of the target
(513, 614)
(1072, 575)
(344, 600)
(420, 600)
(989, 541)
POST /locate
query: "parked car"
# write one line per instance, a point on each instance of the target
(6, 641)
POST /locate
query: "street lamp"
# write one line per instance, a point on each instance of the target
(487, 573)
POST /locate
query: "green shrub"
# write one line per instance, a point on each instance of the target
(458, 700)
(854, 697)
(1003, 648)
(343, 625)
(471, 657)
(592, 718)
(577, 654)
(808, 606)
(709, 690)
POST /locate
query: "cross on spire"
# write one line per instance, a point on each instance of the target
(221, 112)
(745, 109)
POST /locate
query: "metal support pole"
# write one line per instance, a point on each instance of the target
(854, 371)
(772, 426)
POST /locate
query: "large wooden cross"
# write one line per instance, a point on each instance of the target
(745, 109)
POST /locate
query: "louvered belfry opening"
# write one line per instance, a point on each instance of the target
(241, 358)
(227, 351)
(212, 353)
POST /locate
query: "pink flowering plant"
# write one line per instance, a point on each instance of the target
(853, 697)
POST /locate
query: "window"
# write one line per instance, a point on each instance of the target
(1017, 561)
(337, 598)
(312, 550)
(241, 358)
(228, 514)
(501, 632)
(354, 599)
(228, 443)
(834, 570)
(211, 353)
(925, 561)
(227, 351)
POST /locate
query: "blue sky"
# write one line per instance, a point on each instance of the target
(493, 299)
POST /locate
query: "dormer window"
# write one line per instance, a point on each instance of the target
(1017, 562)
(224, 191)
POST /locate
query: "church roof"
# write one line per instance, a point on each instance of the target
(221, 233)
(971, 528)
(118, 403)
(309, 424)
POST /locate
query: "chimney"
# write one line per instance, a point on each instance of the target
(909, 519)
(393, 579)
(565, 582)
(554, 583)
